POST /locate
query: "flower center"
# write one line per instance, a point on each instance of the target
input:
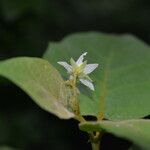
(78, 70)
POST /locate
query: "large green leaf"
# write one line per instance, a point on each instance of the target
(138, 131)
(41, 81)
(122, 79)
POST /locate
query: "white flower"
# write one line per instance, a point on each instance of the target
(80, 69)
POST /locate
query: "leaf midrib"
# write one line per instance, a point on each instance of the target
(104, 88)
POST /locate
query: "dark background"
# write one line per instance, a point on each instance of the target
(26, 27)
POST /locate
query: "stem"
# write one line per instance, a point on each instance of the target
(95, 139)
(74, 103)
(75, 98)
(95, 145)
(80, 118)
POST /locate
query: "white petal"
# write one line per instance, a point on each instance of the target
(65, 65)
(90, 68)
(80, 59)
(87, 83)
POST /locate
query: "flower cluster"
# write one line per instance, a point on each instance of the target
(80, 70)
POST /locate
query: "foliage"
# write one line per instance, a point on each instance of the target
(135, 130)
(121, 89)
(122, 83)
(40, 80)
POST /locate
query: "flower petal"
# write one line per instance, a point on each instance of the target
(73, 63)
(87, 83)
(65, 65)
(90, 68)
(80, 59)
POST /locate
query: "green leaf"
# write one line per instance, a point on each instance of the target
(137, 131)
(41, 81)
(122, 79)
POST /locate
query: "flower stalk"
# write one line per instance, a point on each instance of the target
(74, 98)
(95, 139)
(95, 145)
(79, 71)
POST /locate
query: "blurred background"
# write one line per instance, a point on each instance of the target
(26, 27)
